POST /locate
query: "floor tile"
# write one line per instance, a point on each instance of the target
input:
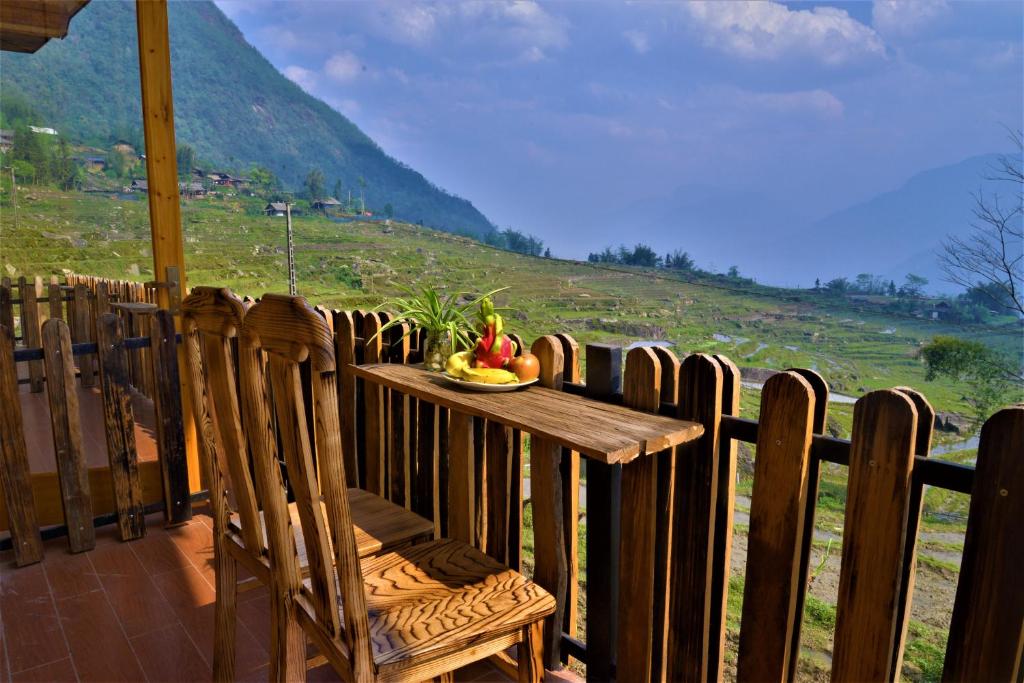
(184, 589)
(98, 645)
(69, 574)
(157, 551)
(34, 637)
(168, 654)
(55, 672)
(139, 606)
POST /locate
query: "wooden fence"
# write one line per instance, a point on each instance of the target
(657, 576)
(73, 347)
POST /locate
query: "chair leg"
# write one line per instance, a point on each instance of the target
(225, 610)
(287, 642)
(531, 654)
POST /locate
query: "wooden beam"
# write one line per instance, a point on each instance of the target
(162, 175)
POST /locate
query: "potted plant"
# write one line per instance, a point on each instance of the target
(447, 326)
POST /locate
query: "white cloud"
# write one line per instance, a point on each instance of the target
(906, 17)
(302, 77)
(343, 67)
(770, 31)
(819, 102)
(639, 40)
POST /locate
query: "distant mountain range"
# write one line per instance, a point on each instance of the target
(231, 105)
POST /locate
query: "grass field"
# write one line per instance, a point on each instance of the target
(349, 265)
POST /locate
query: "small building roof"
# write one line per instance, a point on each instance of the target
(276, 206)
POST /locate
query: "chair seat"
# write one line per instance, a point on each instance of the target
(379, 524)
(432, 599)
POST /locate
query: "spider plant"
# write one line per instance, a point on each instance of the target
(428, 310)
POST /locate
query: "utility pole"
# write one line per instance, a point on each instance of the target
(14, 197)
(291, 249)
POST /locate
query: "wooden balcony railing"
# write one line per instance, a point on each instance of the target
(657, 573)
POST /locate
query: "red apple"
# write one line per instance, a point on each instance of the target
(526, 367)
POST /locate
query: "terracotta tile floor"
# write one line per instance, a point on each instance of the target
(140, 611)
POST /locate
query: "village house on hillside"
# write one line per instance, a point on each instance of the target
(275, 209)
(327, 204)
(138, 185)
(6, 141)
(191, 190)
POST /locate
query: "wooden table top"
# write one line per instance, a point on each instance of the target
(601, 431)
(135, 306)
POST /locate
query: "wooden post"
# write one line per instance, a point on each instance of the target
(570, 470)
(14, 472)
(169, 420)
(374, 413)
(65, 422)
(162, 174)
(30, 334)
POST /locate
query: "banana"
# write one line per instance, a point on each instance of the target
(489, 376)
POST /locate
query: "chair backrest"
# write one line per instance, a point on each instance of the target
(211, 317)
(278, 334)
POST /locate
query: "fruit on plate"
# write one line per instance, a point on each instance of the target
(494, 349)
(457, 362)
(489, 376)
(526, 367)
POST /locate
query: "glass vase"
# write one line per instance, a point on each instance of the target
(436, 349)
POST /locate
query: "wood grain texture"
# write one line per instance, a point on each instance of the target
(82, 331)
(642, 391)
(881, 463)
(14, 472)
(31, 335)
(66, 427)
(531, 654)
(778, 505)
(373, 409)
(693, 527)
(7, 305)
(119, 428)
(986, 635)
(499, 490)
(602, 431)
(170, 423)
(571, 493)
(923, 446)
(56, 304)
(461, 501)
(345, 348)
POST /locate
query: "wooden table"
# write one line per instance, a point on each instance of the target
(611, 436)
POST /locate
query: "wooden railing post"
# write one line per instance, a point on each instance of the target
(604, 486)
(570, 470)
(345, 349)
(691, 598)
(7, 306)
(881, 464)
(31, 334)
(374, 404)
(72, 472)
(15, 477)
(170, 423)
(988, 612)
(778, 506)
(82, 324)
(119, 426)
(551, 567)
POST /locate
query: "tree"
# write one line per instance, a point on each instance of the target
(547, 253)
(389, 211)
(65, 171)
(337, 191)
(892, 288)
(913, 285)
(679, 260)
(734, 272)
(817, 283)
(837, 285)
(992, 253)
(314, 184)
(989, 377)
(263, 179)
(186, 161)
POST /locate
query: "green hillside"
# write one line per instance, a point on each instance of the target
(231, 105)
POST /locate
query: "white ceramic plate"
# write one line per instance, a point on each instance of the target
(487, 388)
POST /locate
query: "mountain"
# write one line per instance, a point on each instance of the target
(231, 105)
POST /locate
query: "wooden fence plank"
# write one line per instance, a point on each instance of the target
(56, 304)
(923, 446)
(551, 565)
(14, 471)
(461, 511)
(987, 630)
(345, 349)
(881, 463)
(820, 388)
(119, 426)
(66, 425)
(32, 335)
(170, 432)
(778, 505)
(374, 404)
(22, 286)
(7, 305)
(425, 489)
(499, 494)
(641, 391)
(571, 493)
(691, 599)
(604, 378)
(481, 504)
(725, 503)
(398, 422)
(514, 558)
(82, 331)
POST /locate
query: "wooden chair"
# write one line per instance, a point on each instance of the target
(414, 613)
(211, 318)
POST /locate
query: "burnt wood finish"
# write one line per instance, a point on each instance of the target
(170, 426)
(881, 463)
(31, 334)
(67, 436)
(398, 421)
(642, 391)
(374, 402)
(571, 492)
(345, 347)
(693, 525)
(778, 505)
(461, 501)
(82, 331)
(499, 490)
(7, 305)
(56, 302)
(119, 428)
(987, 629)
(14, 473)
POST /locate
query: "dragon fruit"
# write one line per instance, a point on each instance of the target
(493, 349)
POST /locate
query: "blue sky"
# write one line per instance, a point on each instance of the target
(563, 119)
